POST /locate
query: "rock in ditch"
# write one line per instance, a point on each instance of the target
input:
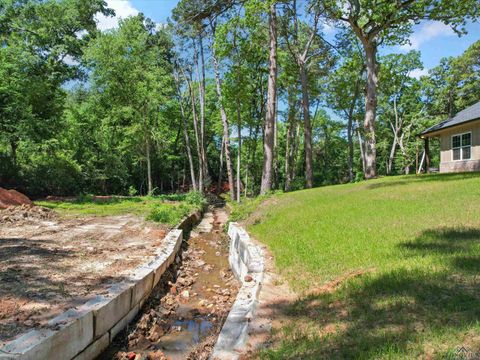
(248, 278)
(156, 332)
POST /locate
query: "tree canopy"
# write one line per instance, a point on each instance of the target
(245, 96)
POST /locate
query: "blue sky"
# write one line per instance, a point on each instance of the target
(435, 40)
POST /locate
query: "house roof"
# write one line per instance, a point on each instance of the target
(469, 114)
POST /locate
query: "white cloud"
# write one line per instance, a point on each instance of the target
(69, 60)
(122, 8)
(427, 31)
(161, 26)
(417, 73)
(328, 28)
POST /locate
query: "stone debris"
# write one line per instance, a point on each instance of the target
(19, 215)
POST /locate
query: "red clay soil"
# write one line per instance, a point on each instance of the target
(13, 198)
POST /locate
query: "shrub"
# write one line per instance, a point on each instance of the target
(132, 191)
(168, 214)
(195, 198)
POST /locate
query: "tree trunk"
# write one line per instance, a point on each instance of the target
(268, 143)
(289, 143)
(350, 148)
(147, 151)
(392, 155)
(149, 166)
(296, 145)
(197, 135)
(350, 127)
(396, 131)
(307, 127)
(275, 180)
(201, 85)
(287, 157)
(226, 131)
(427, 155)
(14, 146)
(220, 171)
(185, 133)
(188, 148)
(362, 149)
(370, 111)
(404, 153)
(239, 154)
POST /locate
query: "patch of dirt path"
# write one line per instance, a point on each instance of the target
(275, 297)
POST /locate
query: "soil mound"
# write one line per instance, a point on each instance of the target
(25, 213)
(13, 198)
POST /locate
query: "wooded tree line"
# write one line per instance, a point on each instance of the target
(259, 95)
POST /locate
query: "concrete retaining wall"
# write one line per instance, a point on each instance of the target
(85, 332)
(247, 263)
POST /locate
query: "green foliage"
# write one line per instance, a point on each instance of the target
(132, 191)
(98, 133)
(454, 84)
(196, 199)
(168, 214)
(151, 208)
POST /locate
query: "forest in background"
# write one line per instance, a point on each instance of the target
(249, 93)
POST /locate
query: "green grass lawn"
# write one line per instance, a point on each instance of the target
(413, 244)
(167, 209)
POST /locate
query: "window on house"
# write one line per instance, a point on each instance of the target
(462, 146)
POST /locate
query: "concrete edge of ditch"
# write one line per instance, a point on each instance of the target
(84, 332)
(245, 258)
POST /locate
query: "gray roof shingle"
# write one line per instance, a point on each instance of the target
(469, 114)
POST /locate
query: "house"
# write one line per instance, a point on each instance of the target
(459, 141)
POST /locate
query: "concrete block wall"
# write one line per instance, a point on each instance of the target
(245, 258)
(85, 332)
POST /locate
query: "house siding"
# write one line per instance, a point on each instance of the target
(447, 164)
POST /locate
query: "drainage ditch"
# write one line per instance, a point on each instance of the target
(186, 311)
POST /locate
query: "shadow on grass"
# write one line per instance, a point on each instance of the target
(444, 239)
(412, 179)
(401, 313)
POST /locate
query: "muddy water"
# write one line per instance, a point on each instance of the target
(185, 314)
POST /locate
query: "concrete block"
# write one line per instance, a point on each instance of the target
(159, 272)
(94, 349)
(113, 307)
(143, 279)
(158, 267)
(122, 324)
(244, 258)
(73, 332)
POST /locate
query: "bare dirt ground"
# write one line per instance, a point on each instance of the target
(273, 302)
(49, 264)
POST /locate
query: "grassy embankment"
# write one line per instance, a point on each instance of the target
(167, 209)
(388, 268)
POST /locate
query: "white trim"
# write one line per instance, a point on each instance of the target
(461, 147)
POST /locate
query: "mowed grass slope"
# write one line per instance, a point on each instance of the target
(388, 268)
